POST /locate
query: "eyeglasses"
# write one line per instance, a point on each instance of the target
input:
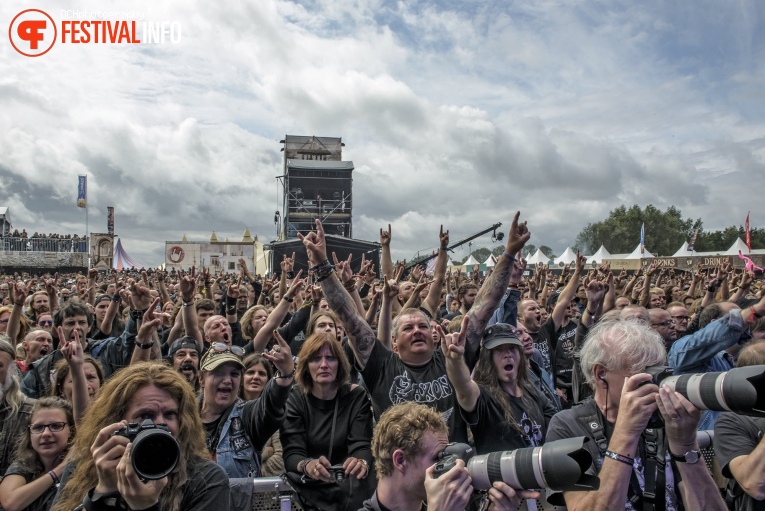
(222, 347)
(664, 323)
(55, 427)
(681, 318)
(47, 322)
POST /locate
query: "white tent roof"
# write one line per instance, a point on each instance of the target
(684, 252)
(567, 257)
(738, 246)
(637, 255)
(490, 261)
(537, 258)
(470, 261)
(598, 256)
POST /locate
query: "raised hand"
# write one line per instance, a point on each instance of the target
(315, 243)
(385, 236)
(453, 345)
(343, 268)
(518, 236)
(281, 356)
(443, 237)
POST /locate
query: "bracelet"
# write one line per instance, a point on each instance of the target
(443, 248)
(303, 464)
(350, 285)
(508, 256)
(290, 275)
(620, 457)
(187, 304)
(146, 346)
(587, 309)
(288, 299)
(117, 298)
(323, 276)
(230, 301)
(278, 375)
(53, 476)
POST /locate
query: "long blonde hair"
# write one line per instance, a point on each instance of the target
(110, 407)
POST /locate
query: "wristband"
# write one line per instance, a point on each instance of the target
(443, 248)
(288, 299)
(278, 375)
(230, 301)
(303, 464)
(55, 478)
(116, 298)
(587, 309)
(620, 457)
(508, 256)
(146, 346)
(187, 304)
(290, 275)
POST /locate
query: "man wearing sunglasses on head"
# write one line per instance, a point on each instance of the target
(236, 430)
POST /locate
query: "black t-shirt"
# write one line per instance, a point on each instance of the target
(44, 501)
(736, 435)
(564, 355)
(545, 341)
(390, 381)
(492, 432)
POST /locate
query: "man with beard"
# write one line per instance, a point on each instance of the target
(40, 304)
(466, 297)
(75, 320)
(184, 357)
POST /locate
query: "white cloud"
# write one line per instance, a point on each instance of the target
(454, 113)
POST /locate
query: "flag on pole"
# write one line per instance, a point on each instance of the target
(748, 235)
(110, 220)
(642, 239)
(82, 192)
(692, 243)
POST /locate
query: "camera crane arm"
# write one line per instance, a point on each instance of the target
(458, 244)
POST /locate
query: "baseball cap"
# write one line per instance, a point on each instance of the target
(184, 343)
(553, 298)
(499, 334)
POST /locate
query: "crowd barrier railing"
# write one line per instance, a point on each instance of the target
(14, 244)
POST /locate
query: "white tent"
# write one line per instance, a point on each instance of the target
(684, 252)
(567, 257)
(490, 261)
(598, 256)
(738, 246)
(637, 255)
(537, 258)
(471, 261)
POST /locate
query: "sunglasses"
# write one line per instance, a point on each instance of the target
(221, 347)
(47, 322)
(55, 427)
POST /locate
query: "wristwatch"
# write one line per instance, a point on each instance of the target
(691, 457)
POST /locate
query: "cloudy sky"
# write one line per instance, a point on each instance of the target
(453, 112)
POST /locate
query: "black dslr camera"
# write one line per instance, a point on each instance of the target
(155, 451)
(658, 375)
(449, 456)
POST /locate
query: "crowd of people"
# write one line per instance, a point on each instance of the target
(41, 242)
(349, 381)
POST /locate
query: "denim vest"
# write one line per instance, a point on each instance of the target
(235, 452)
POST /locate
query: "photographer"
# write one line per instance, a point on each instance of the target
(103, 477)
(405, 445)
(629, 456)
(740, 447)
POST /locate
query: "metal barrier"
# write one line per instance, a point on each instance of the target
(14, 244)
(268, 494)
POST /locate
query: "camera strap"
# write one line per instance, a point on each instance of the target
(649, 498)
(654, 471)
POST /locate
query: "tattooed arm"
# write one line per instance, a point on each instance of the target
(493, 289)
(360, 334)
